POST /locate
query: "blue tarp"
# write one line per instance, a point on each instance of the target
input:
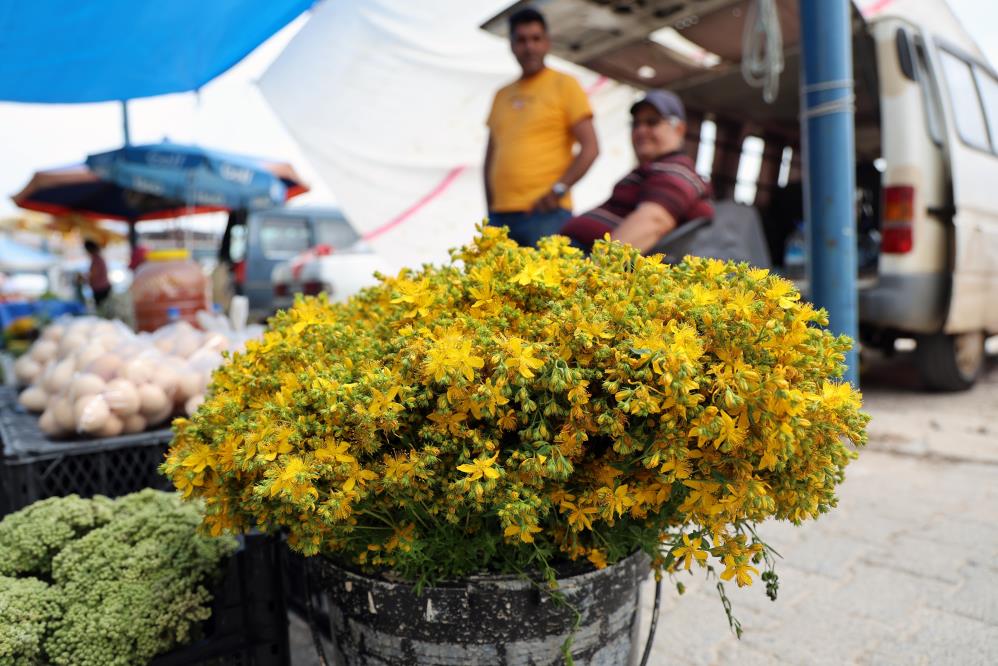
(71, 51)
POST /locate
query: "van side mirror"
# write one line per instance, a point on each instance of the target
(905, 58)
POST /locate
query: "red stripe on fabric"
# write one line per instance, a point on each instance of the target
(56, 209)
(439, 189)
(599, 83)
(875, 7)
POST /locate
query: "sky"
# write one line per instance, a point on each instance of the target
(229, 114)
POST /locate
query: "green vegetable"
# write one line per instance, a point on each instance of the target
(31, 537)
(130, 579)
(28, 607)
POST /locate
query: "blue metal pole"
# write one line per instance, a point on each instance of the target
(828, 143)
(124, 122)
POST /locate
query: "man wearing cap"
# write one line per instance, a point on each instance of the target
(661, 193)
(534, 125)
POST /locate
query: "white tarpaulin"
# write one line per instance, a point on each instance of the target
(388, 101)
(17, 257)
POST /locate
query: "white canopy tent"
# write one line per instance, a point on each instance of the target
(20, 258)
(388, 101)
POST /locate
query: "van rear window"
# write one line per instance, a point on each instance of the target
(965, 101)
(989, 95)
(283, 238)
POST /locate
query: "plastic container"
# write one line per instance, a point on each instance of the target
(249, 620)
(32, 467)
(47, 309)
(298, 593)
(169, 284)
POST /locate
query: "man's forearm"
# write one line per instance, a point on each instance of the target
(578, 168)
(585, 135)
(644, 227)
(486, 172)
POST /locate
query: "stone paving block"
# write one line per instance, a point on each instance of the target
(780, 534)
(921, 557)
(888, 595)
(976, 596)
(985, 510)
(980, 538)
(864, 524)
(828, 556)
(797, 586)
(738, 652)
(692, 632)
(937, 637)
(818, 632)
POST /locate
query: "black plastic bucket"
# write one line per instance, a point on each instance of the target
(501, 620)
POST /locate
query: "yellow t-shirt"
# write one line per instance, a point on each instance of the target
(531, 123)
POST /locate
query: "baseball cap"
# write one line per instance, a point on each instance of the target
(665, 102)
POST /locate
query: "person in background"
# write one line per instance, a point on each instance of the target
(661, 193)
(139, 255)
(100, 285)
(534, 125)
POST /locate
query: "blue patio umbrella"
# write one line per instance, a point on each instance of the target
(198, 176)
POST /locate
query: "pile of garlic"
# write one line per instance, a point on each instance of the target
(95, 377)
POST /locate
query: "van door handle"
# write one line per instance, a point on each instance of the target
(942, 211)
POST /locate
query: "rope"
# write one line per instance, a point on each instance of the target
(844, 104)
(654, 624)
(762, 48)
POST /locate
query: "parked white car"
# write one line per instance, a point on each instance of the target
(339, 272)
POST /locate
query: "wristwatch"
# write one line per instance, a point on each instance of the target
(559, 189)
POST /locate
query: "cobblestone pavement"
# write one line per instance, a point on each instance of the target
(904, 571)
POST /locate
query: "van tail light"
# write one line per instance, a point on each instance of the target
(313, 288)
(899, 219)
(280, 290)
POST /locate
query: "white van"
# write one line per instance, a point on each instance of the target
(926, 150)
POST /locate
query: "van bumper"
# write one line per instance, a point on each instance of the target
(914, 303)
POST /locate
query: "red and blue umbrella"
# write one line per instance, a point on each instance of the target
(78, 189)
(198, 176)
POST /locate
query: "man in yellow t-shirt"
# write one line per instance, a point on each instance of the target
(534, 125)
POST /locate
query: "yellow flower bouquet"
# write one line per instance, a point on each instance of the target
(520, 407)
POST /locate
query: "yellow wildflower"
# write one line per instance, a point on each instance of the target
(480, 468)
(689, 551)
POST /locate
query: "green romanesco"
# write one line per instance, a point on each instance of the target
(28, 608)
(31, 537)
(133, 588)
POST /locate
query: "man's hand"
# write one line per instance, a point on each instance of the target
(547, 203)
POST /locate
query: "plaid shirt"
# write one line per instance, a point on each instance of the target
(670, 181)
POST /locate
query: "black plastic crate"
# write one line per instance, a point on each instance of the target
(298, 594)
(249, 617)
(33, 467)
